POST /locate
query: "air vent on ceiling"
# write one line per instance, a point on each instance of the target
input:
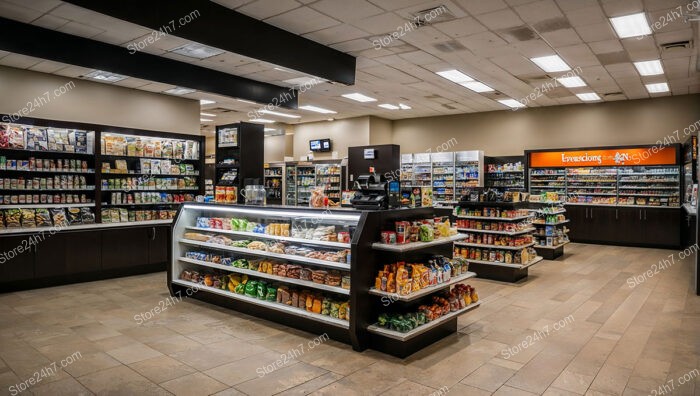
(676, 45)
(520, 33)
(432, 15)
(449, 46)
(614, 95)
(612, 58)
(445, 105)
(552, 25)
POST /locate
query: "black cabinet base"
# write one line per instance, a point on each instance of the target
(334, 332)
(38, 283)
(550, 254)
(403, 349)
(498, 273)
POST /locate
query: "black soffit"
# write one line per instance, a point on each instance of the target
(220, 27)
(22, 38)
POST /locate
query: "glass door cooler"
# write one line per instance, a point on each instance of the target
(443, 176)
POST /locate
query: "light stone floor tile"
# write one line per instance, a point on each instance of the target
(622, 342)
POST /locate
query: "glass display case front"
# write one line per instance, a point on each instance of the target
(296, 261)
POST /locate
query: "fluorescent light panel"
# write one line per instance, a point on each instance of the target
(359, 97)
(317, 109)
(277, 113)
(571, 82)
(512, 103)
(206, 101)
(263, 120)
(197, 51)
(588, 96)
(101, 75)
(404, 106)
(246, 101)
(657, 88)
(389, 106)
(477, 86)
(208, 114)
(205, 120)
(631, 25)
(180, 91)
(454, 76)
(551, 63)
(649, 68)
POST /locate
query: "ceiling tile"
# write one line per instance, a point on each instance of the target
(263, 9)
(614, 8)
(578, 55)
(79, 29)
(380, 24)
(460, 27)
(607, 46)
(562, 37)
(391, 5)
(353, 45)
(481, 41)
(596, 32)
(19, 61)
(302, 20)
(571, 5)
(539, 11)
(336, 34)
(49, 21)
(533, 48)
(347, 11)
(476, 7)
(18, 13)
(655, 5)
(500, 19)
(37, 5)
(586, 16)
(47, 66)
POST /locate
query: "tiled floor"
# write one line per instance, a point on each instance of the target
(618, 341)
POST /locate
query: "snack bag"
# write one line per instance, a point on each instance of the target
(87, 216)
(43, 218)
(59, 218)
(28, 218)
(73, 216)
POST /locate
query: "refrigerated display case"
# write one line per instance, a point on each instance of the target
(274, 186)
(330, 177)
(505, 173)
(406, 176)
(443, 177)
(422, 170)
(469, 171)
(544, 180)
(315, 270)
(591, 185)
(306, 181)
(290, 185)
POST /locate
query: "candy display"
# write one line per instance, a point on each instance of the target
(406, 278)
(304, 299)
(457, 299)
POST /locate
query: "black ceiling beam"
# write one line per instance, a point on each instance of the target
(22, 38)
(223, 28)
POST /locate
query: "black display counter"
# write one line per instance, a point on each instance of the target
(34, 258)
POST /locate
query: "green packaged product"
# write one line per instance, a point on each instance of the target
(239, 289)
(335, 309)
(234, 224)
(251, 288)
(271, 294)
(383, 320)
(326, 307)
(240, 263)
(426, 233)
(262, 289)
(242, 224)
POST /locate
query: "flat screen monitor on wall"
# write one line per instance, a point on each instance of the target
(320, 145)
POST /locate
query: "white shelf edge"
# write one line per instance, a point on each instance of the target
(51, 205)
(7, 231)
(496, 247)
(516, 266)
(495, 218)
(425, 291)
(274, 237)
(284, 279)
(551, 224)
(289, 257)
(268, 304)
(551, 247)
(407, 247)
(397, 335)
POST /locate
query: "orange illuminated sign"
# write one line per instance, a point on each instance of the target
(610, 157)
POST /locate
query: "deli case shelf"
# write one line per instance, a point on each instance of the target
(314, 270)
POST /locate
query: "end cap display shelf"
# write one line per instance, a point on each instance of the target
(554, 250)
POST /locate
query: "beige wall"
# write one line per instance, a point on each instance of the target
(511, 132)
(275, 147)
(343, 134)
(97, 103)
(380, 131)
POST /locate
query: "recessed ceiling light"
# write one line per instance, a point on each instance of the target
(206, 101)
(270, 129)
(657, 88)
(551, 63)
(317, 109)
(246, 101)
(512, 103)
(389, 106)
(588, 96)
(208, 114)
(262, 120)
(330, 119)
(454, 76)
(196, 50)
(571, 82)
(359, 97)
(631, 25)
(101, 75)
(477, 86)
(205, 120)
(649, 68)
(180, 91)
(282, 69)
(404, 106)
(277, 113)
(299, 81)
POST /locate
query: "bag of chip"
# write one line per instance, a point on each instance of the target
(73, 216)
(59, 218)
(13, 218)
(251, 288)
(43, 218)
(123, 215)
(2, 219)
(28, 218)
(262, 290)
(271, 294)
(87, 216)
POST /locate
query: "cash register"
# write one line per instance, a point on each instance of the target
(371, 192)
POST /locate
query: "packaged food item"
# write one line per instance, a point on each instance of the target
(28, 220)
(58, 215)
(43, 218)
(87, 216)
(73, 216)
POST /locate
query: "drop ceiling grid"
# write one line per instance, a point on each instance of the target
(490, 56)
